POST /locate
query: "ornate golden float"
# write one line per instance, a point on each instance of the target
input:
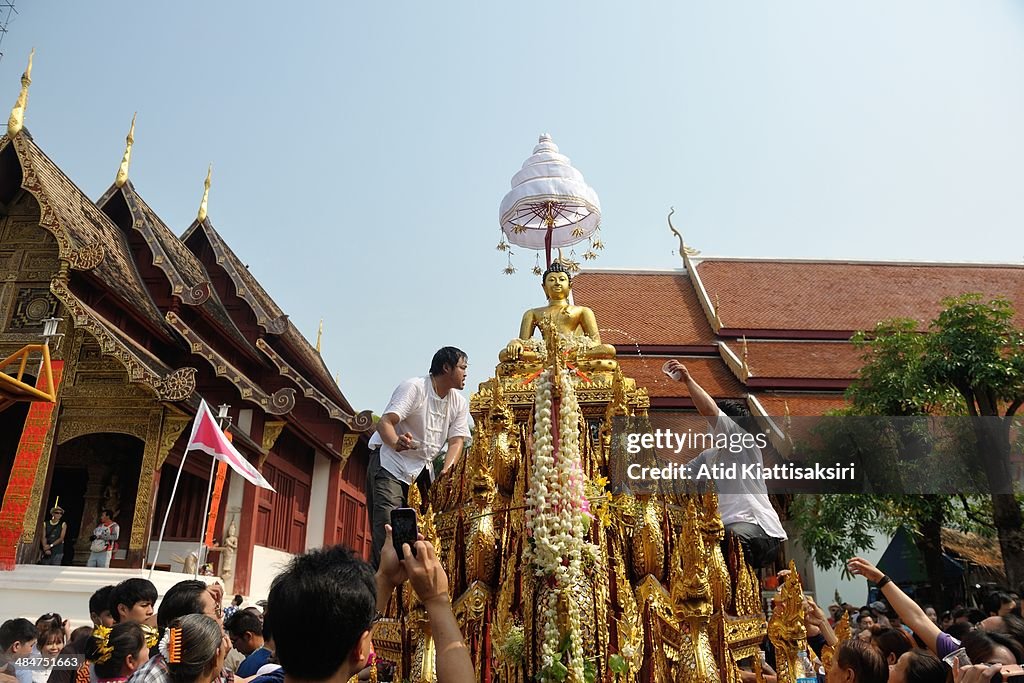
(554, 577)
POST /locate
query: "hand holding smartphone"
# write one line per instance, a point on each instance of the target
(403, 529)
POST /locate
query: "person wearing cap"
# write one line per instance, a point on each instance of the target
(51, 542)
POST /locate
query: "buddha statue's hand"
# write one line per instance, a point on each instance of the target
(514, 349)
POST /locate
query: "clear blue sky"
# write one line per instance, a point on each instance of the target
(361, 150)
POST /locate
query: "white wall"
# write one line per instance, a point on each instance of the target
(266, 564)
(168, 550)
(316, 519)
(854, 591)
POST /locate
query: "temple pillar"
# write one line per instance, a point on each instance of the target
(333, 504)
(246, 538)
(20, 511)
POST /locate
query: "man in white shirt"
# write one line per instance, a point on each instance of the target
(423, 415)
(745, 508)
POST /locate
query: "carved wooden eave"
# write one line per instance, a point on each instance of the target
(280, 402)
(272, 322)
(86, 238)
(143, 224)
(168, 384)
(357, 423)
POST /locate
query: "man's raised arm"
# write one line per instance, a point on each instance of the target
(702, 400)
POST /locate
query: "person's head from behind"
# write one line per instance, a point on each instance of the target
(79, 633)
(858, 662)
(185, 597)
(133, 600)
(918, 666)
(118, 651)
(999, 604)
(323, 603)
(245, 629)
(17, 636)
(992, 648)
(740, 414)
(50, 638)
(194, 647)
(891, 642)
(237, 602)
(99, 607)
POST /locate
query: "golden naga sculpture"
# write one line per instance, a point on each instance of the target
(786, 628)
(568, 320)
(554, 574)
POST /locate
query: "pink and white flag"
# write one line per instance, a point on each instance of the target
(208, 437)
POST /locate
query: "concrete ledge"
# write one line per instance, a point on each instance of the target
(32, 590)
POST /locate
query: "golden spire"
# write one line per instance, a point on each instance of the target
(319, 335)
(126, 160)
(206, 195)
(746, 366)
(17, 120)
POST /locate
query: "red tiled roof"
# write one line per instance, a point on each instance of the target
(799, 359)
(800, 404)
(843, 296)
(710, 373)
(644, 308)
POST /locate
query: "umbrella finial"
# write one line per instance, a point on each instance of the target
(544, 137)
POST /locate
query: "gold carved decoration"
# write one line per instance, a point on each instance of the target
(280, 402)
(173, 426)
(88, 257)
(150, 457)
(177, 385)
(17, 119)
(786, 627)
(271, 431)
(126, 160)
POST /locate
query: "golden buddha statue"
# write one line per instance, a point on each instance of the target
(568, 320)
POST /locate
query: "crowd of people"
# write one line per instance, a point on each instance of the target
(896, 640)
(315, 625)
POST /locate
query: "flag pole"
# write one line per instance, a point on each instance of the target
(167, 513)
(224, 420)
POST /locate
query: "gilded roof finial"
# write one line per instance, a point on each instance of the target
(206, 195)
(319, 335)
(17, 120)
(684, 251)
(746, 365)
(126, 160)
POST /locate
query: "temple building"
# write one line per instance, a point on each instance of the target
(150, 324)
(772, 332)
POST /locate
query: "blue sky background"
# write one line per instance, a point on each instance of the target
(361, 150)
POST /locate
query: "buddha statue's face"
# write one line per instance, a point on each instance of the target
(556, 286)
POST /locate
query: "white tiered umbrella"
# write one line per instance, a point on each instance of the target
(550, 205)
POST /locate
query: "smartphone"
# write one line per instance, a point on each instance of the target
(1012, 672)
(403, 529)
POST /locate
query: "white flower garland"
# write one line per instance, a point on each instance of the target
(555, 517)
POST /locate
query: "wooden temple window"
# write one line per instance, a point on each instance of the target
(281, 516)
(185, 521)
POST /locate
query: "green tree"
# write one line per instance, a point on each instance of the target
(974, 349)
(970, 362)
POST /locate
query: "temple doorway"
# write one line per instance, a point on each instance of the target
(91, 473)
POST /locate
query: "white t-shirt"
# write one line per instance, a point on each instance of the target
(430, 419)
(751, 503)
